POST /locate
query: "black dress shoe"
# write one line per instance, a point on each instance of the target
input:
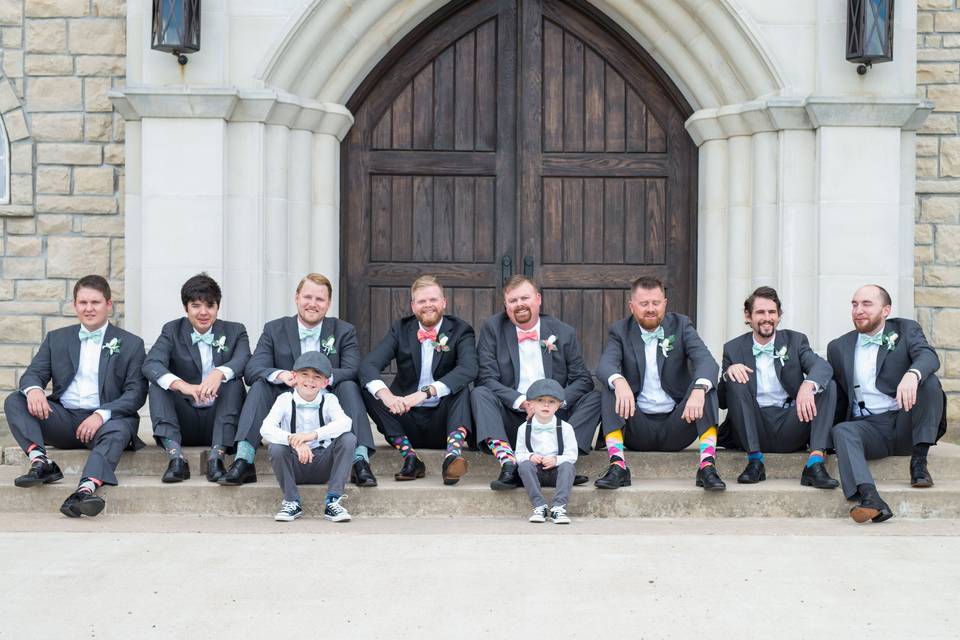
(240, 472)
(580, 480)
(613, 478)
(177, 471)
(215, 470)
(920, 477)
(753, 473)
(816, 476)
(871, 507)
(508, 478)
(40, 473)
(454, 467)
(362, 475)
(82, 503)
(412, 469)
(709, 479)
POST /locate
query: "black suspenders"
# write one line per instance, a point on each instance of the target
(293, 413)
(559, 436)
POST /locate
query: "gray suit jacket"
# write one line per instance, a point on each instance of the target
(123, 389)
(174, 351)
(279, 347)
(801, 363)
(499, 358)
(687, 361)
(911, 351)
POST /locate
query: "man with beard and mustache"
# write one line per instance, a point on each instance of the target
(890, 402)
(789, 402)
(517, 347)
(428, 403)
(269, 372)
(650, 400)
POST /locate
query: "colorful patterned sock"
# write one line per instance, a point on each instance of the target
(756, 455)
(502, 450)
(361, 453)
(708, 447)
(172, 447)
(455, 441)
(815, 456)
(88, 485)
(614, 441)
(216, 452)
(36, 452)
(245, 451)
(402, 444)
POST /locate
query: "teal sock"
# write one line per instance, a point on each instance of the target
(361, 453)
(756, 455)
(172, 447)
(245, 451)
(331, 497)
(815, 457)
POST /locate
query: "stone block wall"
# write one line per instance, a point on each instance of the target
(58, 60)
(937, 254)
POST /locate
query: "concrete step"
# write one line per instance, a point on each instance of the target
(656, 498)
(151, 461)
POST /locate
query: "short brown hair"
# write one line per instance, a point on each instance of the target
(517, 280)
(768, 293)
(316, 278)
(884, 295)
(95, 282)
(647, 282)
(422, 283)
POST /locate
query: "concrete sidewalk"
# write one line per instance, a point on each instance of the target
(190, 576)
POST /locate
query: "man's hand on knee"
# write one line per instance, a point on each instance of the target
(37, 404)
(89, 427)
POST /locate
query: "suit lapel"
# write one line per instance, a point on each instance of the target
(639, 351)
(293, 336)
(546, 330)
(508, 335)
(746, 355)
(882, 349)
(326, 330)
(415, 346)
(186, 329)
(849, 348)
(779, 340)
(438, 355)
(105, 359)
(74, 348)
(667, 332)
(218, 330)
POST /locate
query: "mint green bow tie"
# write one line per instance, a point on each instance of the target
(650, 336)
(308, 405)
(549, 428)
(90, 335)
(767, 349)
(309, 333)
(206, 338)
(866, 341)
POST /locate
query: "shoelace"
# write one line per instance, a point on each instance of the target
(558, 511)
(541, 511)
(289, 507)
(336, 507)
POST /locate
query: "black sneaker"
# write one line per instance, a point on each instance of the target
(336, 512)
(41, 472)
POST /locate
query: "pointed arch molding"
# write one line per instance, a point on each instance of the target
(19, 167)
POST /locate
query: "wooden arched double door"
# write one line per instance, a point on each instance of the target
(517, 136)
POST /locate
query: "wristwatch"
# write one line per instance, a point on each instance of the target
(702, 387)
(429, 390)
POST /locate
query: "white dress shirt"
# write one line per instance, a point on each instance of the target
(206, 364)
(770, 393)
(543, 439)
(652, 398)
(865, 375)
(531, 364)
(427, 349)
(83, 392)
(310, 343)
(275, 428)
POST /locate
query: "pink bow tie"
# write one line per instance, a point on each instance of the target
(527, 335)
(427, 334)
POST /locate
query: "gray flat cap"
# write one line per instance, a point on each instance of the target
(546, 387)
(316, 361)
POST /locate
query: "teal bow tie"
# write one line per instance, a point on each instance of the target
(650, 336)
(866, 341)
(767, 349)
(90, 335)
(543, 429)
(206, 338)
(309, 333)
(308, 405)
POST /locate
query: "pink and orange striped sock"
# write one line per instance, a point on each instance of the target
(708, 447)
(502, 450)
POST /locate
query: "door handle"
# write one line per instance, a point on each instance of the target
(528, 266)
(506, 269)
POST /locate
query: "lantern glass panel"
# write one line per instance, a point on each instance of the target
(877, 16)
(176, 25)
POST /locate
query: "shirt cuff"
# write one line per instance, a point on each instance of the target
(29, 389)
(375, 386)
(613, 379)
(919, 375)
(166, 380)
(705, 382)
(104, 413)
(519, 401)
(816, 387)
(273, 378)
(442, 389)
(227, 373)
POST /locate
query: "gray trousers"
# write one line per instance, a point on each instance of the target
(658, 431)
(778, 429)
(262, 394)
(60, 430)
(176, 418)
(330, 466)
(886, 434)
(530, 474)
(494, 420)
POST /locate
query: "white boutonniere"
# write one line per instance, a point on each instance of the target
(441, 343)
(327, 346)
(220, 344)
(781, 355)
(113, 346)
(890, 340)
(549, 344)
(666, 345)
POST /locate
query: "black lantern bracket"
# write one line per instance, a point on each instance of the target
(176, 27)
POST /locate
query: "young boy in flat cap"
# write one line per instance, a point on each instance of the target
(310, 439)
(547, 452)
